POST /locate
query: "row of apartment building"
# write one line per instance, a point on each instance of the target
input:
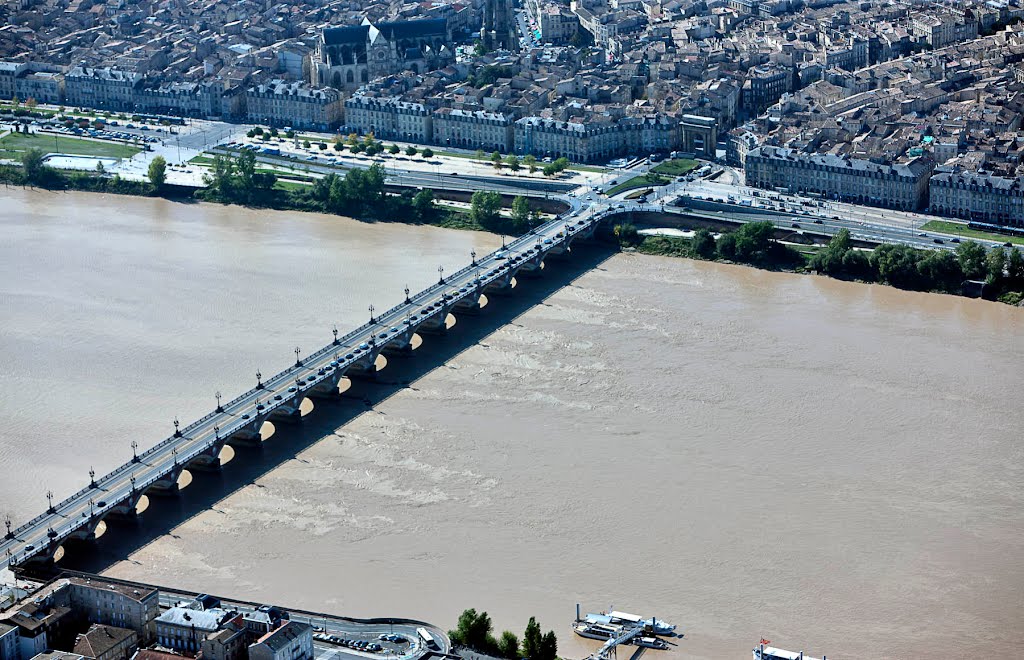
(908, 186)
(275, 102)
(82, 618)
(592, 139)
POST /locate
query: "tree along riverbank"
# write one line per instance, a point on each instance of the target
(904, 267)
(359, 194)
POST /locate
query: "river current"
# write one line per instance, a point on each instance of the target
(833, 466)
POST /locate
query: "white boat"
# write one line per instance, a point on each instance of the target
(595, 630)
(651, 643)
(765, 652)
(657, 626)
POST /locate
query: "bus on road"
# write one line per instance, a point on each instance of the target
(428, 639)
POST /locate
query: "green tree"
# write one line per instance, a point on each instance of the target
(548, 646)
(100, 169)
(32, 161)
(727, 246)
(273, 132)
(410, 150)
(338, 146)
(322, 146)
(305, 144)
(531, 162)
(940, 270)
(474, 630)
(532, 640)
(496, 160)
(897, 265)
(485, 209)
(513, 162)
(971, 255)
(290, 135)
(627, 234)
(561, 164)
(550, 170)
(704, 245)
(508, 645)
(996, 262)
(372, 149)
(394, 149)
(480, 155)
(423, 205)
(1015, 268)
(157, 172)
(428, 152)
(520, 214)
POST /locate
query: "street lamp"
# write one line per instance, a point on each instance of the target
(335, 331)
(372, 321)
(407, 294)
(440, 271)
(472, 255)
(49, 499)
(220, 408)
(177, 431)
(10, 534)
(259, 381)
(92, 478)
(298, 361)
(135, 455)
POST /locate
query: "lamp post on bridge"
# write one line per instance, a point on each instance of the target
(472, 256)
(92, 478)
(259, 381)
(10, 534)
(440, 271)
(90, 507)
(220, 408)
(135, 452)
(407, 301)
(177, 431)
(372, 321)
(174, 453)
(335, 331)
(49, 500)
(298, 361)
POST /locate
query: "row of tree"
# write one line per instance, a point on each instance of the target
(475, 631)
(923, 270)
(485, 211)
(898, 265)
(515, 163)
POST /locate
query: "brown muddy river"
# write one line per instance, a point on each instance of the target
(835, 467)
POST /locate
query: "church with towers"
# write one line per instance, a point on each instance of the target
(347, 57)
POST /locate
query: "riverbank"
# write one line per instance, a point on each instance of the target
(996, 274)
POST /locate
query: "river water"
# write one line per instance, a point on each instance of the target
(835, 467)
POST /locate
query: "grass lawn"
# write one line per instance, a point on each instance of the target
(639, 193)
(642, 181)
(290, 185)
(963, 230)
(16, 143)
(676, 166)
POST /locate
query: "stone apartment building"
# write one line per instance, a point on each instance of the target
(389, 118)
(940, 30)
(184, 630)
(973, 196)
(104, 89)
(490, 131)
(8, 642)
(102, 642)
(765, 85)
(291, 641)
(116, 604)
(596, 138)
(296, 104)
(902, 186)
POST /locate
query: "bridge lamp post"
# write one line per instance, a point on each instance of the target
(49, 500)
(10, 534)
(174, 453)
(407, 301)
(440, 271)
(372, 321)
(216, 432)
(335, 331)
(90, 507)
(177, 431)
(92, 478)
(259, 381)
(472, 256)
(298, 360)
(135, 452)
(220, 408)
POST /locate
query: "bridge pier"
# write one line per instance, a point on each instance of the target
(501, 287)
